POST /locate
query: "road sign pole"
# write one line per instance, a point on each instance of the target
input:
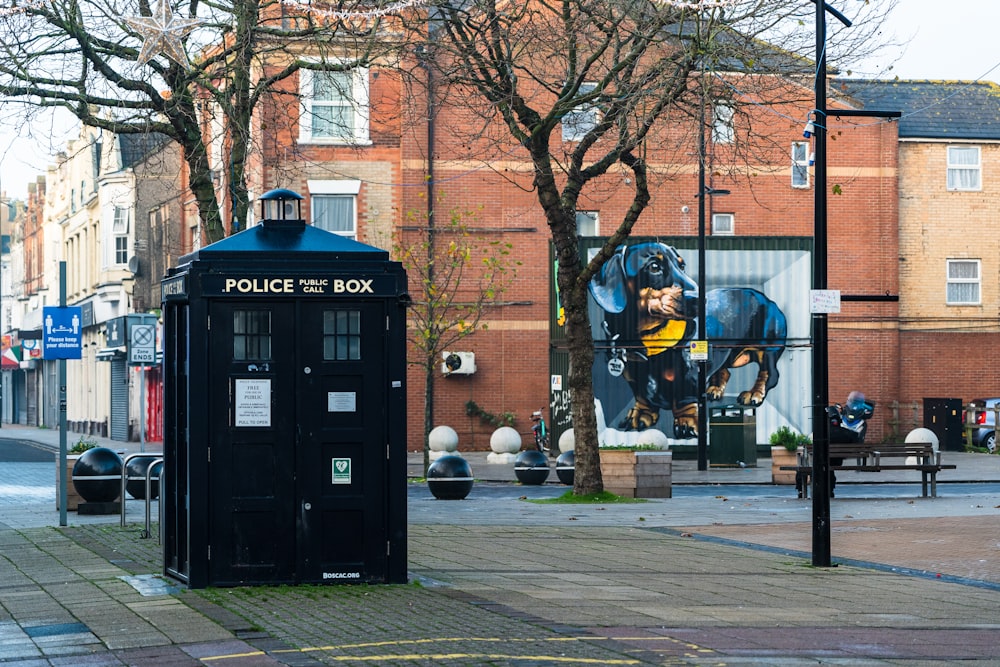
(142, 408)
(62, 410)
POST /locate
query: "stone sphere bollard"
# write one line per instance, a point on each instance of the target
(97, 475)
(531, 467)
(136, 470)
(450, 478)
(918, 435)
(505, 443)
(567, 441)
(923, 435)
(443, 441)
(566, 467)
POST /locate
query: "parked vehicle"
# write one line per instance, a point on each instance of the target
(984, 434)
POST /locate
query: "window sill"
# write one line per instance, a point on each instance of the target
(334, 142)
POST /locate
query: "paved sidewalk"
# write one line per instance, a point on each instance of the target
(710, 579)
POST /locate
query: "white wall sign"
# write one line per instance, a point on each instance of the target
(824, 301)
(252, 402)
(341, 401)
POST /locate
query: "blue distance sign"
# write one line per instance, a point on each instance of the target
(62, 332)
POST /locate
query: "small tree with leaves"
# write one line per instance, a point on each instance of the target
(457, 274)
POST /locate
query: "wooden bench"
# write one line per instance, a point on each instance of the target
(861, 457)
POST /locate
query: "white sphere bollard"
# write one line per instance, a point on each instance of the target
(567, 441)
(505, 443)
(443, 440)
(920, 435)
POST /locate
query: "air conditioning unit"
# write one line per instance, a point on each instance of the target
(458, 363)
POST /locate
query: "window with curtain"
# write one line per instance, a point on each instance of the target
(964, 168)
(334, 106)
(800, 164)
(333, 205)
(334, 213)
(963, 282)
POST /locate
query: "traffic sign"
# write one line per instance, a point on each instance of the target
(62, 334)
(142, 344)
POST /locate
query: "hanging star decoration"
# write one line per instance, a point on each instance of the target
(162, 33)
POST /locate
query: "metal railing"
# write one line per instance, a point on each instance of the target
(154, 460)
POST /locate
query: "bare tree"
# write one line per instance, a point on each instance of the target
(619, 75)
(124, 67)
(457, 274)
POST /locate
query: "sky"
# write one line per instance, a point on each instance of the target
(946, 40)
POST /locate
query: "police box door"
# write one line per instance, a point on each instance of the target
(298, 453)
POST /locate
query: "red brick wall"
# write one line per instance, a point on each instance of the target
(475, 172)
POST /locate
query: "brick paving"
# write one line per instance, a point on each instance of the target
(498, 580)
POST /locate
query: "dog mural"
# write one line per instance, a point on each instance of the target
(650, 309)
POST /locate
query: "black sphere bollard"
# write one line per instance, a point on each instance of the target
(97, 475)
(531, 467)
(136, 484)
(566, 467)
(450, 478)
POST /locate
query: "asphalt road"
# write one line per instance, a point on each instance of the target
(21, 451)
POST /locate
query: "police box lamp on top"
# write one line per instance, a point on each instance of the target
(281, 208)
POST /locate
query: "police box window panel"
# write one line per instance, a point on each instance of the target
(342, 335)
(251, 335)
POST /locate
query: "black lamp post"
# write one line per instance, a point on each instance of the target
(820, 356)
(704, 192)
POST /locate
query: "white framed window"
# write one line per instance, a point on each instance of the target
(333, 206)
(800, 164)
(334, 107)
(963, 282)
(723, 129)
(581, 120)
(120, 223)
(121, 250)
(119, 235)
(588, 223)
(964, 168)
(723, 224)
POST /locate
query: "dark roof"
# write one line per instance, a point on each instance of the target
(931, 109)
(285, 242)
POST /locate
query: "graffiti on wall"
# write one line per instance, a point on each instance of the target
(644, 318)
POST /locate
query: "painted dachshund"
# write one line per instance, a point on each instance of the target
(650, 305)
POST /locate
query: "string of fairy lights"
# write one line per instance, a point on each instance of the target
(393, 8)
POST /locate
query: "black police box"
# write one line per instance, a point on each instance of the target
(284, 408)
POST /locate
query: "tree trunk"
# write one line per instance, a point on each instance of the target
(580, 345)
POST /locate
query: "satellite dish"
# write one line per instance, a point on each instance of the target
(133, 264)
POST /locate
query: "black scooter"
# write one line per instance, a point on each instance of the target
(848, 424)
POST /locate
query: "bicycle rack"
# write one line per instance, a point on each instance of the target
(156, 459)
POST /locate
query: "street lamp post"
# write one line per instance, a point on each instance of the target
(704, 192)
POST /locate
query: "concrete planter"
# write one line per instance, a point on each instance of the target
(782, 457)
(635, 474)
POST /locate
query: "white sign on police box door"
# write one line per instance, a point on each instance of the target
(142, 344)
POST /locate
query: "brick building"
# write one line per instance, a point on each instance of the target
(891, 214)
